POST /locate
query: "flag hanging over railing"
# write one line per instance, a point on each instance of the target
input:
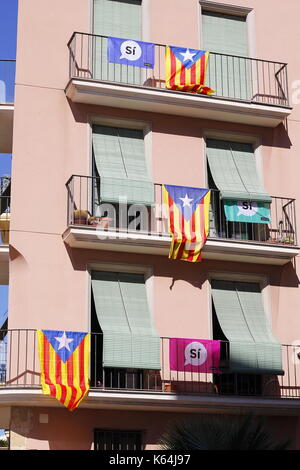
(186, 70)
(188, 220)
(64, 360)
(195, 355)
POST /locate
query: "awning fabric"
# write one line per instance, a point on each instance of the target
(129, 338)
(233, 168)
(252, 345)
(119, 156)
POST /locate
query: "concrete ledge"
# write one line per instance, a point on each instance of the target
(156, 401)
(216, 249)
(157, 100)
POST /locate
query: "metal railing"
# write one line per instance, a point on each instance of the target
(5, 184)
(19, 367)
(232, 77)
(7, 81)
(86, 207)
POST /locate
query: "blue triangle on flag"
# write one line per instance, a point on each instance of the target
(64, 343)
(186, 55)
(186, 199)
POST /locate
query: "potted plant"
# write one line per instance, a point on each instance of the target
(80, 217)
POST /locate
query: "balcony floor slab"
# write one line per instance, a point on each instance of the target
(159, 401)
(173, 102)
(215, 249)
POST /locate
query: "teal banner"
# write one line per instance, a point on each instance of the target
(247, 211)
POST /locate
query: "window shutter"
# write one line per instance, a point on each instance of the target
(118, 18)
(129, 338)
(233, 168)
(117, 348)
(227, 34)
(145, 341)
(253, 347)
(121, 164)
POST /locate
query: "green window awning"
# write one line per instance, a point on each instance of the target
(129, 338)
(230, 75)
(252, 345)
(233, 169)
(119, 156)
(118, 18)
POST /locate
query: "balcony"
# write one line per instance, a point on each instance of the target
(248, 91)
(137, 388)
(5, 183)
(128, 227)
(7, 84)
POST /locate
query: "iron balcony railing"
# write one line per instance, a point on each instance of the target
(5, 183)
(86, 207)
(232, 77)
(7, 81)
(20, 367)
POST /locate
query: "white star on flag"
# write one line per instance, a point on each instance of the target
(187, 55)
(186, 201)
(64, 341)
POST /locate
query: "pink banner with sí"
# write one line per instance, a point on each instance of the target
(195, 355)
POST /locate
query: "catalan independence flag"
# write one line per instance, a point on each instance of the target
(188, 220)
(64, 359)
(186, 70)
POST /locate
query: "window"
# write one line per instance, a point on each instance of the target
(117, 440)
(120, 162)
(123, 190)
(232, 171)
(241, 321)
(228, 70)
(129, 343)
(118, 18)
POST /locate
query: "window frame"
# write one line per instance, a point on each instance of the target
(254, 140)
(146, 270)
(139, 434)
(111, 121)
(144, 16)
(261, 279)
(233, 10)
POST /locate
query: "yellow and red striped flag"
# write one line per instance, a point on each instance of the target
(188, 220)
(186, 70)
(64, 360)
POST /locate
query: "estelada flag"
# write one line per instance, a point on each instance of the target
(188, 220)
(64, 360)
(186, 70)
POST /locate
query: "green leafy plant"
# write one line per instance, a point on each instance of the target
(220, 432)
(3, 443)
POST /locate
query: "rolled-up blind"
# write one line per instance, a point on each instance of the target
(118, 18)
(252, 345)
(121, 164)
(129, 338)
(228, 74)
(234, 171)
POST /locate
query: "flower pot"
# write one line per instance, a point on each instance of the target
(80, 217)
(4, 227)
(169, 387)
(100, 222)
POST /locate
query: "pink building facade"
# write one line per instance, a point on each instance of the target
(87, 132)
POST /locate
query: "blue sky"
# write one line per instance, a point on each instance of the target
(8, 36)
(8, 39)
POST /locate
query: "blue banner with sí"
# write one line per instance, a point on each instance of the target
(130, 52)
